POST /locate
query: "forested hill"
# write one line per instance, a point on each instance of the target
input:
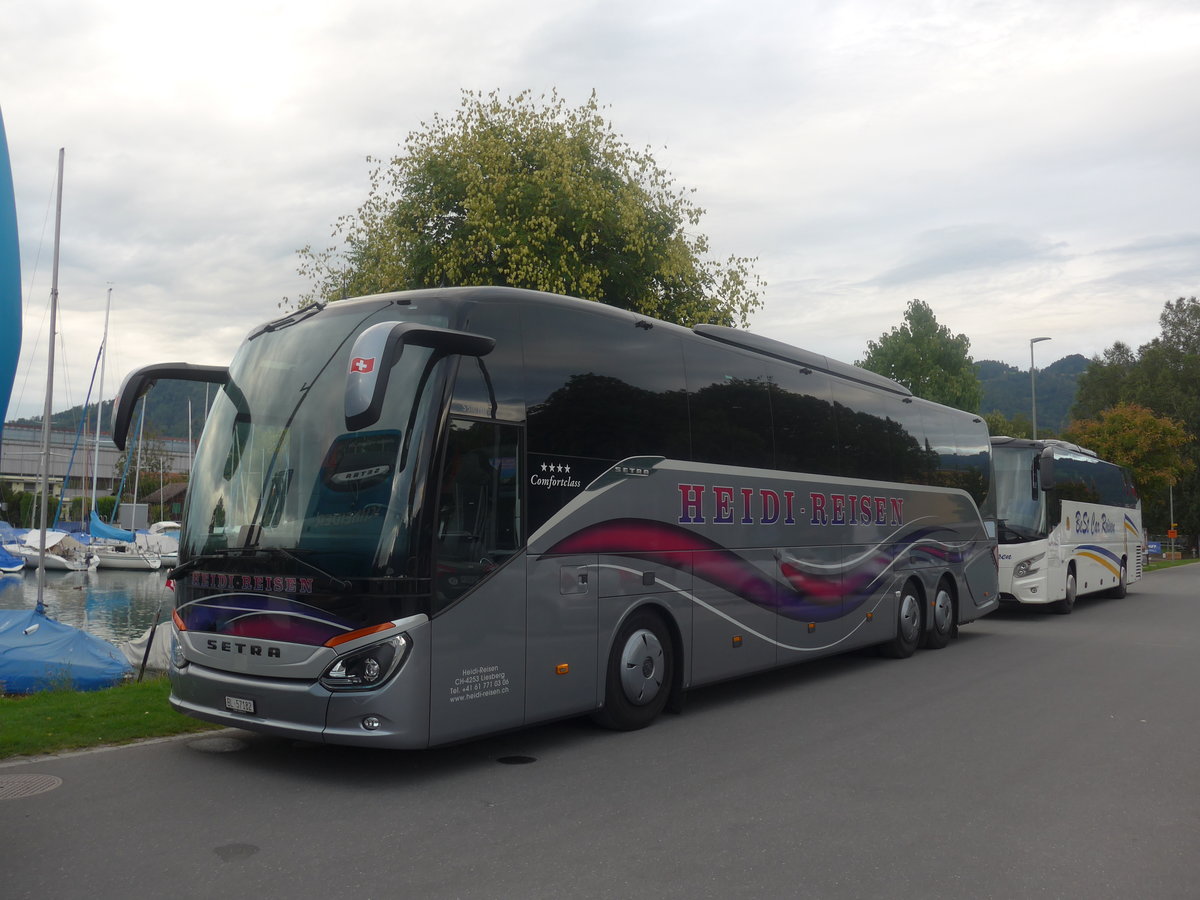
(1007, 389)
(166, 412)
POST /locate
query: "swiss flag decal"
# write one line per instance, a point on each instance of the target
(362, 365)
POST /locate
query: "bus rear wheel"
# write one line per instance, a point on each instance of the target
(641, 669)
(909, 621)
(941, 625)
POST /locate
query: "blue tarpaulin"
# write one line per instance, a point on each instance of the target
(37, 653)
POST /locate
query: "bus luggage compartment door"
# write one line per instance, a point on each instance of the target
(560, 673)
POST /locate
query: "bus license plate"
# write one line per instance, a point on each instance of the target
(239, 704)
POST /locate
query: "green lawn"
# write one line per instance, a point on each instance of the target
(52, 721)
(1167, 564)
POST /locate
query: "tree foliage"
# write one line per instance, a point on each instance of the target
(531, 193)
(1133, 436)
(1164, 377)
(1019, 426)
(927, 359)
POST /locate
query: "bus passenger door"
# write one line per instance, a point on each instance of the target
(561, 670)
(478, 627)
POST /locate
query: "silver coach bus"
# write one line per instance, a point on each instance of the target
(420, 517)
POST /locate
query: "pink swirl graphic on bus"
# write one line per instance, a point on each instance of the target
(806, 590)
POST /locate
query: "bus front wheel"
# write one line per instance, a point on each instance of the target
(1064, 606)
(641, 668)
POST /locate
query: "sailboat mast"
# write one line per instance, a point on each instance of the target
(49, 404)
(100, 398)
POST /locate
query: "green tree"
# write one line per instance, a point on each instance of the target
(999, 424)
(531, 193)
(1104, 382)
(1133, 436)
(927, 359)
(1164, 377)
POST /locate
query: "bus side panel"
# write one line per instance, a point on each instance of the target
(731, 636)
(477, 682)
(1094, 537)
(979, 593)
(561, 670)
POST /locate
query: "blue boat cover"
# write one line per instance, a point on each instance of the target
(54, 655)
(10, 280)
(9, 563)
(101, 529)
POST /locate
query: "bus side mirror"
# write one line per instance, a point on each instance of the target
(141, 380)
(1046, 469)
(379, 348)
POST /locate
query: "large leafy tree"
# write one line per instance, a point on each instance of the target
(1164, 377)
(927, 359)
(529, 192)
(1131, 435)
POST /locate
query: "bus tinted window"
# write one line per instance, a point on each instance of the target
(1089, 480)
(805, 430)
(959, 449)
(730, 407)
(871, 442)
(598, 386)
(490, 386)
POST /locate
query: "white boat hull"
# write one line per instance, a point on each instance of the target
(121, 557)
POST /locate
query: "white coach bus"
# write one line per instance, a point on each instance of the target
(420, 517)
(1068, 523)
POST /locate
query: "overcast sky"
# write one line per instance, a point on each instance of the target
(1026, 168)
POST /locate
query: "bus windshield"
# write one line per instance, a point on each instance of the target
(1020, 510)
(277, 468)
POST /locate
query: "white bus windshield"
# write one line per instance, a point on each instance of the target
(1020, 507)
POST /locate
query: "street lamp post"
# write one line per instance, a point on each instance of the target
(1033, 381)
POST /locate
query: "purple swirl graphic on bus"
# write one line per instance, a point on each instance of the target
(805, 590)
(261, 617)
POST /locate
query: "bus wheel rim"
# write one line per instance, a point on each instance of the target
(910, 616)
(642, 667)
(943, 608)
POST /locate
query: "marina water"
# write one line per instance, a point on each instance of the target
(113, 604)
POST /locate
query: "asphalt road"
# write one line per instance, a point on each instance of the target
(1036, 756)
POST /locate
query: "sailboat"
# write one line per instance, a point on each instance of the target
(37, 652)
(112, 547)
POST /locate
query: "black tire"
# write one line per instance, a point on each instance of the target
(910, 621)
(1064, 606)
(641, 672)
(942, 618)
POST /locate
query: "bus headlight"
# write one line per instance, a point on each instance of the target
(1028, 567)
(367, 667)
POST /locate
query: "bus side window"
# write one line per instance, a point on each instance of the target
(479, 505)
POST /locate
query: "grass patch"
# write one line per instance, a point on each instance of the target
(52, 721)
(1167, 564)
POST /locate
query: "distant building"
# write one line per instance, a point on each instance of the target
(21, 461)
